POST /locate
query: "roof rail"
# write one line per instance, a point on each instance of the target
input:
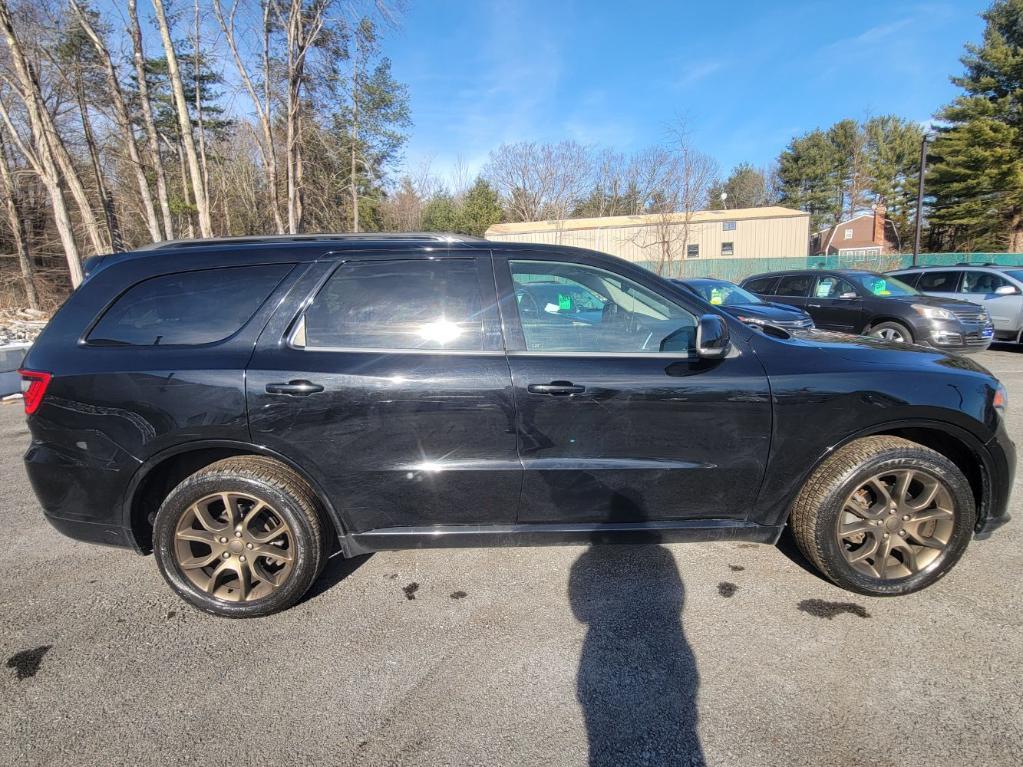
(285, 238)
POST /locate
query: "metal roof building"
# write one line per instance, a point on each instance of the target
(769, 232)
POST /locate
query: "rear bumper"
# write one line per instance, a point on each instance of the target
(93, 532)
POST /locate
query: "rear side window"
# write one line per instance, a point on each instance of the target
(910, 278)
(399, 305)
(794, 285)
(761, 285)
(938, 282)
(187, 308)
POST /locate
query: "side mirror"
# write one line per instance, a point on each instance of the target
(713, 339)
(1006, 290)
(849, 294)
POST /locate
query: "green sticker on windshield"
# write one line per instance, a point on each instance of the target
(564, 303)
(880, 288)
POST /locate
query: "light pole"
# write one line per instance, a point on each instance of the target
(920, 195)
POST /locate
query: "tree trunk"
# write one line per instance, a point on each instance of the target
(1016, 232)
(17, 223)
(184, 122)
(149, 124)
(46, 166)
(197, 85)
(105, 200)
(355, 167)
(264, 107)
(124, 123)
(189, 226)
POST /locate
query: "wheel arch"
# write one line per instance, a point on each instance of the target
(881, 318)
(960, 446)
(162, 472)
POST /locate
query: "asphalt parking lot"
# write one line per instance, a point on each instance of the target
(729, 654)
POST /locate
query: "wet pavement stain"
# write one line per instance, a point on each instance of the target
(458, 595)
(727, 589)
(171, 614)
(27, 662)
(410, 590)
(823, 609)
(736, 568)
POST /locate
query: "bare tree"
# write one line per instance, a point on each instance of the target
(40, 150)
(539, 181)
(122, 118)
(148, 123)
(679, 177)
(262, 103)
(16, 222)
(202, 203)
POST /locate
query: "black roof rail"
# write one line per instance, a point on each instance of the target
(285, 238)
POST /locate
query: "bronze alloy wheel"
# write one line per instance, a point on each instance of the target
(896, 524)
(234, 547)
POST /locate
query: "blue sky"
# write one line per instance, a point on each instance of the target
(745, 76)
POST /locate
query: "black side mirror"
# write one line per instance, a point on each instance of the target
(713, 339)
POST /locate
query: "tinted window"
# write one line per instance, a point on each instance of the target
(189, 307)
(626, 317)
(422, 304)
(832, 287)
(794, 285)
(910, 279)
(937, 282)
(761, 285)
(981, 282)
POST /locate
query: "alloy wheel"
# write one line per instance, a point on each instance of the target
(896, 524)
(234, 546)
(889, 334)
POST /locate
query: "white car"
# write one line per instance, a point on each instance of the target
(999, 289)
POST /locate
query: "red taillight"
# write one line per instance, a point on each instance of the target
(33, 387)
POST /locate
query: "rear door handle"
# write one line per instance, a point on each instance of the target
(556, 388)
(294, 388)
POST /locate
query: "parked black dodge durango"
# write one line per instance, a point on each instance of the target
(245, 409)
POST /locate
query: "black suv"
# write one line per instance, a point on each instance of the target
(246, 409)
(854, 301)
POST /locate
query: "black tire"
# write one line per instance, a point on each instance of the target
(897, 328)
(289, 499)
(816, 513)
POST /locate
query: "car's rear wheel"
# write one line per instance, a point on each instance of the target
(884, 516)
(895, 332)
(243, 537)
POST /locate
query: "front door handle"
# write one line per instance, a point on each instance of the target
(556, 388)
(294, 388)
(814, 306)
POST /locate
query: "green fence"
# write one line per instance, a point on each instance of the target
(736, 269)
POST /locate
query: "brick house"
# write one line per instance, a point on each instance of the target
(868, 234)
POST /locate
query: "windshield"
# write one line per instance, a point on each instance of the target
(723, 293)
(882, 284)
(1017, 273)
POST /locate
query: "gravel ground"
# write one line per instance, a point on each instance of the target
(731, 654)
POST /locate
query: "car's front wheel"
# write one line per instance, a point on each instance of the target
(895, 332)
(884, 516)
(241, 538)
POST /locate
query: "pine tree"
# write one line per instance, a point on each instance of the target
(480, 209)
(976, 171)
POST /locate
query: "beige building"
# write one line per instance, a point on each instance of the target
(770, 232)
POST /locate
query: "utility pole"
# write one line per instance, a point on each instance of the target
(920, 195)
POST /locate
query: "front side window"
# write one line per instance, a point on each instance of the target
(794, 285)
(938, 282)
(981, 282)
(187, 308)
(398, 305)
(618, 315)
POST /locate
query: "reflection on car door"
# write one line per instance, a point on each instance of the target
(618, 420)
(835, 304)
(979, 287)
(393, 389)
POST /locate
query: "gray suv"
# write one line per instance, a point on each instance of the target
(999, 289)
